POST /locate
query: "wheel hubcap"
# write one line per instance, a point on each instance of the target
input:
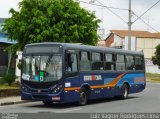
(125, 92)
(83, 97)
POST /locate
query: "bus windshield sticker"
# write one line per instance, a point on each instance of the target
(41, 75)
(25, 76)
(36, 78)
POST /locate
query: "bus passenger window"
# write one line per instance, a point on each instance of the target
(84, 61)
(67, 62)
(74, 62)
(139, 63)
(130, 65)
(109, 62)
(71, 63)
(97, 61)
(120, 63)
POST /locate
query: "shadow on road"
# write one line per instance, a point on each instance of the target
(71, 105)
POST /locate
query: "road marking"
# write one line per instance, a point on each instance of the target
(70, 110)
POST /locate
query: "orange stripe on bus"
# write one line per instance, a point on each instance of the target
(115, 81)
(98, 86)
(74, 88)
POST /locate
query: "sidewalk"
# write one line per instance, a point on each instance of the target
(11, 100)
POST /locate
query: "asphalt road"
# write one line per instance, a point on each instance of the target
(146, 101)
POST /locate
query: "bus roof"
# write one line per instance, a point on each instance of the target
(88, 48)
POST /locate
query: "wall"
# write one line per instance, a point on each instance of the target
(133, 43)
(101, 43)
(109, 41)
(147, 45)
(18, 59)
(3, 58)
(118, 40)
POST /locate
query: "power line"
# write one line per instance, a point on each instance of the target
(112, 12)
(103, 5)
(146, 23)
(146, 11)
(138, 17)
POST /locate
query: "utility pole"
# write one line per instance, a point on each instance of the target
(129, 26)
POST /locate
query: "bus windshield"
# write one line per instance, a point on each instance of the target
(42, 68)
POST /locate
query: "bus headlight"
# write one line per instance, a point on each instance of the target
(57, 89)
(24, 88)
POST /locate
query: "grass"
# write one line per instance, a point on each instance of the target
(158, 79)
(13, 86)
(153, 77)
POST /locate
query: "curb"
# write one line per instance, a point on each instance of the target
(12, 103)
(9, 92)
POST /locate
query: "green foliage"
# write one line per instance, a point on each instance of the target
(9, 79)
(1, 80)
(156, 58)
(51, 21)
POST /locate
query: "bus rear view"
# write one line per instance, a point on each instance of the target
(42, 72)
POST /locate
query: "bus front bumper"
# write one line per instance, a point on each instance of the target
(42, 97)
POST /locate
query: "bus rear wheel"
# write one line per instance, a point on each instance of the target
(125, 91)
(83, 97)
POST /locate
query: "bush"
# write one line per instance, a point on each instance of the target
(2, 81)
(10, 78)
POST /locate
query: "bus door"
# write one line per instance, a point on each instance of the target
(71, 63)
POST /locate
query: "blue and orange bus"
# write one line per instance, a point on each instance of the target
(63, 73)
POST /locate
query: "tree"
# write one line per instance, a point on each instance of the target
(156, 58)
(50, 21)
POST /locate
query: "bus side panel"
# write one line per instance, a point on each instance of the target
(105, 91)
(92, 80)
(102, 93)
(100, 84)
(71, 96)
(136, 82)
(72, 85)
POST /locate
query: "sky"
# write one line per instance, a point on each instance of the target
(109, 20)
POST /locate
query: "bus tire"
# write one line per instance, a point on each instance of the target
(83, 97)
(47, 103)
(125, 91)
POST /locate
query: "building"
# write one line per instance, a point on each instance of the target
(101, 43)
(4, 43)
(140, 41)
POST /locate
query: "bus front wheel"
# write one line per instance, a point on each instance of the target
(83, 97)
(125, 91)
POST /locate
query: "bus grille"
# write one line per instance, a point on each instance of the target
(41, 91)
(40, 96)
